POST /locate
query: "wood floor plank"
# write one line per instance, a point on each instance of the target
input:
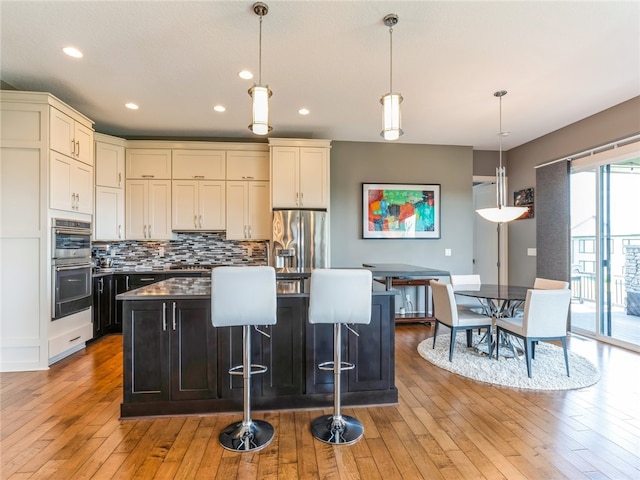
(65, 423)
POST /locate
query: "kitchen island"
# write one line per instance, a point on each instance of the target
(176, 362)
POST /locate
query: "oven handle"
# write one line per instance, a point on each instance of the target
(72, 267)
(72, 231)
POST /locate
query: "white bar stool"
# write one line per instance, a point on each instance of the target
(340, 297)
(230, 307)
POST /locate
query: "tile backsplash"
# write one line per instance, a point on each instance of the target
(188, 249)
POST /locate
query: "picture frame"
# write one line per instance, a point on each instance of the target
(524, 198)
(400, 210)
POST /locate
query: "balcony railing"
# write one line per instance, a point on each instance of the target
(584, 288)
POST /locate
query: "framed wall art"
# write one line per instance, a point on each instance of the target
(394, 210)
(524, 198)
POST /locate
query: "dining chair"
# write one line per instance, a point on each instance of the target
(467, 282)
(547, 284)
(448, 314)
(544, 319)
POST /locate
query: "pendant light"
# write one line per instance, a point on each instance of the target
(391, 101)
(501, 213)
(260, 94)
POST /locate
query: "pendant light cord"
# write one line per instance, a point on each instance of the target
(260, 54)
(390, 59)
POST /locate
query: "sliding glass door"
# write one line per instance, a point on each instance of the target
(605, 250)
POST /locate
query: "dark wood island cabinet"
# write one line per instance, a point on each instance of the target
(176, 362)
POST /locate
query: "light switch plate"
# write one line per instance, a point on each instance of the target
(532, 252)
(447, 252)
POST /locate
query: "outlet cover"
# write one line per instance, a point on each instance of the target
(447, 252)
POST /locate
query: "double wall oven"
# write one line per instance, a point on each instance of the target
(70, 267)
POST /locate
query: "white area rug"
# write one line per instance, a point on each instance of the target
(547, 368)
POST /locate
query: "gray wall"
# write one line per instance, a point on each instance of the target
(354, 163)
(485, 162)
(610, 125)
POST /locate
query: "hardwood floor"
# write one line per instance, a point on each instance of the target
(64, 424)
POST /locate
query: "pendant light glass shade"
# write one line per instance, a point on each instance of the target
(391, 117)
(501, 213)
(260, 94)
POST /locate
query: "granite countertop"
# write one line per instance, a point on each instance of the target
(402, 270)
(186, 288)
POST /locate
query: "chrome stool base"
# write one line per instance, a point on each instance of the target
(247, 437)
(337, 430)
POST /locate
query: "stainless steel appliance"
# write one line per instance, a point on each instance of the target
(300, 239)
(70, 267)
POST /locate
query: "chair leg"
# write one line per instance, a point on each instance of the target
(470, 337)
(452, 342)
(248, 435)
(435, 333)
(489, 343)
(337, 429)
(566, 356)
(528, 347)
(498, 331)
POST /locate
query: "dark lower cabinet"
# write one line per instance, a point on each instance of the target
(170, 351)
(372, 351)
(102, 305)
(176, 362)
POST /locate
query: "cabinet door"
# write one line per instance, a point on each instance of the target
(103, 314)
(282, 353)
(236, 210)
(284, 177)
(109, 164)
(61, 132)
(258, 211)
(314, 177)
(83, 138)
(159, 219)
(98, 288)
(82, 186)
(230, 347)
(146, 341)
(136, 209)
(108, 221)
(247, 165)
(60, 192)
(212, 205)
(148, 163)
(199, 164)
(319, 342)
(193, 351)
(373, 351)
(184, 202)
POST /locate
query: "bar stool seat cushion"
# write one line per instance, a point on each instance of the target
(328, 302)
(243, 296)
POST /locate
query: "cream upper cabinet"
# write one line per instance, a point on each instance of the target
(109, 162)
(198, 205)
(248, 212)
(148, 209)
(299, 174)
(70, 184)
(70, 137)
(148, 163)
(199, 164)
(108, 221)
(247, 165)
(108, 218)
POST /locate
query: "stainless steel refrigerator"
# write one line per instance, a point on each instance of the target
(299, 239)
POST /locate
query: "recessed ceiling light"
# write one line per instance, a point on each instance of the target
(303, 111)
(72, 52)
(245, 74)
(131, 106)
(219, 108)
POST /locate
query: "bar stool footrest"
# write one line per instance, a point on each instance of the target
(330, 366)
(255, 369)
(337, 430)
(247, 437)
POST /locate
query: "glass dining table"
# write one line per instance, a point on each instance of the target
(498, 301)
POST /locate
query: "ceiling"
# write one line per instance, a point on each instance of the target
(559, 61)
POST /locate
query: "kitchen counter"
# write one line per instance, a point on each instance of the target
(177, 362)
